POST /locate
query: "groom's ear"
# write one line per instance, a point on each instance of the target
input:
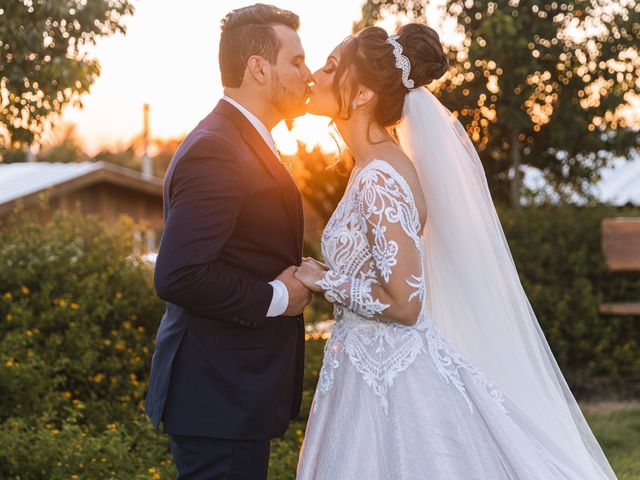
(259, 69)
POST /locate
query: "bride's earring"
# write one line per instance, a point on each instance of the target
(354, 105)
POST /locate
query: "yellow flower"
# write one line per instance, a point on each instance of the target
(9, 317)
(28, 333)
(140, 329)
(98, 377)
(155, 476)
(67, 394)
(55, 431)
(152, 470)
(8, 296)
(113, 427)
(74, 477)
(25, 290)
(120, 345)
(126, 324)
(9, 363)
(62, 303)
(74, 306)
(118, 295)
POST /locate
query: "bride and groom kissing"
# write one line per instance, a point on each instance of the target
(436, 367)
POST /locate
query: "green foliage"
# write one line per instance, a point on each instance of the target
(34, 449)
(78, 315)
(321, 177)
(130, 156)
(538, 83)
(77, 318)
(618, 433)
(64, 148)
(285, 450)
(43, 61)
(559, 257)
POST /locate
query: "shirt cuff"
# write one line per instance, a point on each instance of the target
(280, 299)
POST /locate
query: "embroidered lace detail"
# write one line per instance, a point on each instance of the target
(450, 363)
(359, 298)
(378, 351)
(365, 251)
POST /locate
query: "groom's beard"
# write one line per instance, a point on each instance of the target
(288, 103)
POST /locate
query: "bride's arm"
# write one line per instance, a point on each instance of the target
(391, 223)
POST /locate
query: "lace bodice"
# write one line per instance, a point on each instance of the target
(374, 250)
(372, 245)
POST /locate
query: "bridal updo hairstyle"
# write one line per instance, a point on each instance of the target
(367, 59)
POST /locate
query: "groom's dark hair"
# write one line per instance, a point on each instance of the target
(249, 31)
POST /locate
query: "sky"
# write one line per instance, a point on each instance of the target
(168, 58)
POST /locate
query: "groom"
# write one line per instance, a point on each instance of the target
(226, 375)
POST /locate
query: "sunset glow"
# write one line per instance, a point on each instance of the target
(168, 59)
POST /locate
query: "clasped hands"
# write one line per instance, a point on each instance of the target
(301, 282)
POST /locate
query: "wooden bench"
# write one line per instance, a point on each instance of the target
(621, 248)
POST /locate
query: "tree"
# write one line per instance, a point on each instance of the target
(322, 178)
(126, 156)
(539, 83)
(64, 147)
(44, 65)
(130, 156)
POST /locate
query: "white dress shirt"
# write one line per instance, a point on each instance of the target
(280, 298)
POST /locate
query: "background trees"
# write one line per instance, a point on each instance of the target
(43, 61)
(538, 83)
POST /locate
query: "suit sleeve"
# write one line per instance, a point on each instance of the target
(206, 196)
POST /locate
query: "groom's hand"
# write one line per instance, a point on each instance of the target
(299, 295)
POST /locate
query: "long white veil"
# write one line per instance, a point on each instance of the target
(474, 292)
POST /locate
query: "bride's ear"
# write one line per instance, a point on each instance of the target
(363, 96)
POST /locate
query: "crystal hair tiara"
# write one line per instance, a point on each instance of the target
(402, 62)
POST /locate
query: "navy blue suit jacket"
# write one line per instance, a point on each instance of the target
(233, 222)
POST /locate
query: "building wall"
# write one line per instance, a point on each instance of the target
(109, 202)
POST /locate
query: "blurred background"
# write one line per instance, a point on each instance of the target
(95, 97)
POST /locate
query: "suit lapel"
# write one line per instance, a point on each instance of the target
(290, 193)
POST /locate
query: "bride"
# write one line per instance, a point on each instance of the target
(436, 367)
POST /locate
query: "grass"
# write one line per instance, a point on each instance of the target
(618, 431)
(616, 426)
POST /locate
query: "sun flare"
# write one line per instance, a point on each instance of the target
(168, 59)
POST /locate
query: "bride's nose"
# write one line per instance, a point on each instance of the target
(308, 77)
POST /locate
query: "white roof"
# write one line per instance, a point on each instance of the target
(620, 182)
(24, 178)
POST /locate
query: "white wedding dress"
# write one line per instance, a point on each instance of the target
(398, 402)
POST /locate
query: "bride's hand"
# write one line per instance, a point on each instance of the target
(309, 272)
(317, 262)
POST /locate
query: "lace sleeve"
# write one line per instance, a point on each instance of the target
(392, 288)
